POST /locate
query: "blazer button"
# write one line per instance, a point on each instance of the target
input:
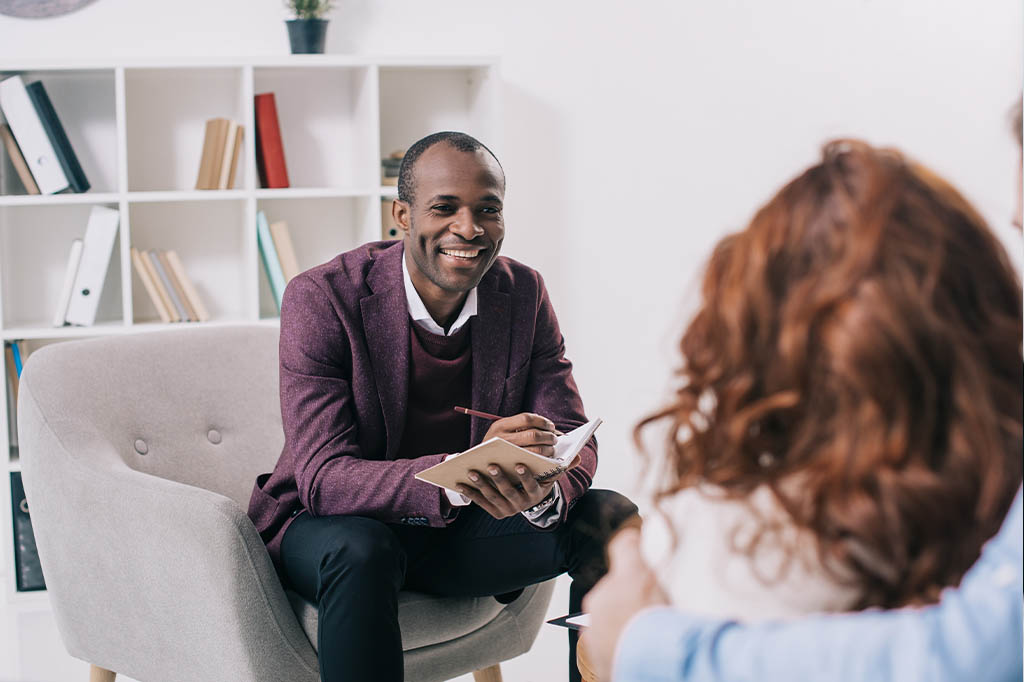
(213, 436)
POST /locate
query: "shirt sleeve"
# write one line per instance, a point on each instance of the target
(974, 633)
(545, 518)
(455, 499)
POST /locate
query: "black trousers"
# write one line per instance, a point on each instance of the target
(353, 568)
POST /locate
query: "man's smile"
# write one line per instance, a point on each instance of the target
(463, 254)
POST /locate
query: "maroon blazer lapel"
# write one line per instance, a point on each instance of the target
(386, 327)
(491, 333)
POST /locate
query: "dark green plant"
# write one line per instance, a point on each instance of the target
(309, 9)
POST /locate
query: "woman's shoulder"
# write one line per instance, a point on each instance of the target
(739, 558)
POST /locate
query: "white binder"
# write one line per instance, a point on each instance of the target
(70, 272)
(31, 136)
(97, 246)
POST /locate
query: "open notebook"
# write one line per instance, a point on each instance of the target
(450, 473)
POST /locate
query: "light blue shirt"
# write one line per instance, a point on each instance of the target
(973, 634)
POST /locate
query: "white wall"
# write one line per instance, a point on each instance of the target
(637, 133)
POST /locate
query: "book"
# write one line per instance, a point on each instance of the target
(147, 281)
(17, 159)
(13, 375)
(232, 147)
(58, 137)
(16, 353)
(270, 259)
(32, 139)
(453, 471)
(388, 226)
(213, 153)
(12, 403)
(28, 572)
(285, 250)
(70, 272)
(270, 162)
(165, 298)
(176, 285)
(97, 246)
(168, 288)
(190, 290)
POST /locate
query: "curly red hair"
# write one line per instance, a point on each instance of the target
(858, 351)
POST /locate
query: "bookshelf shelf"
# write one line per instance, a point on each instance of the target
(138, 128)
(187, 195)
(58, 199)
(313, 193)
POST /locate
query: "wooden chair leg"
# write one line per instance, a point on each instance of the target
(98, 674)
(491, 674)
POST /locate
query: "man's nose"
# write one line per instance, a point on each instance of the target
(465, 225)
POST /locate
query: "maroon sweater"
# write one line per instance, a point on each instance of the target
(440, 377)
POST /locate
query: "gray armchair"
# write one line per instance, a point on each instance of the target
(138, 456)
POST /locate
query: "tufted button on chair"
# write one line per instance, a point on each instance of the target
(139, 453)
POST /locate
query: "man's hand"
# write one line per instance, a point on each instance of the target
(506, 493)
(629, 587)
(501, 496)
(527, 430)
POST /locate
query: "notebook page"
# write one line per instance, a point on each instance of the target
(568, 444)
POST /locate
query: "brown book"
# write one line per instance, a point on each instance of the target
(178, 289)
(213, 153)
(12, 371)
(202, 313)
(231, 158)
(223, 171)
(285, 250)
(151, 289)
(388, 226)
(17, 160)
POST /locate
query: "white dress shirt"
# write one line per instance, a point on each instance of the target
(419, 314)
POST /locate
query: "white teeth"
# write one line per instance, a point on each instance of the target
(460, 254)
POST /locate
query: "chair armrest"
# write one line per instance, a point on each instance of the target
(149, 577)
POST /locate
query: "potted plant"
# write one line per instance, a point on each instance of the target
(306, 31)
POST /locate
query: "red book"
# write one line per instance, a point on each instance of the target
(269, 150)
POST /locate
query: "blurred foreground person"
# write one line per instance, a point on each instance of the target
(847, 435)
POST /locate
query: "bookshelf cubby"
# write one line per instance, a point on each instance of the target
(137, 127)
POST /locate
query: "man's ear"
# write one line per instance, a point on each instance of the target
(400, 212)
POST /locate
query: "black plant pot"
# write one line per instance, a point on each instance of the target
(307, 35)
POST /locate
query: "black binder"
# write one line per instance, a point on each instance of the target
(28, 573)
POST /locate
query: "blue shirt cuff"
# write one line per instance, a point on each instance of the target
(656, 644)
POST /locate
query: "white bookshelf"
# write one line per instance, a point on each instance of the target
(137, 128)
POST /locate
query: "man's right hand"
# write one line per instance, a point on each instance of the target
(527, 430)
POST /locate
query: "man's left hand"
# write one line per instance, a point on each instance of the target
(629, 587)
(502, 496)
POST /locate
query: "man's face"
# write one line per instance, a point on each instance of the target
(454, 225)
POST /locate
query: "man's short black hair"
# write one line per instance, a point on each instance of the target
(460, 141)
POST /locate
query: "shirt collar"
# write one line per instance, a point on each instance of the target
(418, 311)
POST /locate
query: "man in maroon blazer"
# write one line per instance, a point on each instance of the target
(377, 347)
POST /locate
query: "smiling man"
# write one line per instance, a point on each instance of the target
(377, 348)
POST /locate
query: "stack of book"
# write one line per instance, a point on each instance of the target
(222, 146)
(86, 270)
(169, 286)
(269, 148)
(278, 254)
(35, 140)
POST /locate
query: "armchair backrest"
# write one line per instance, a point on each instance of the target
(196, 406)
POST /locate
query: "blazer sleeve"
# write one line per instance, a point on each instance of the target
(332, 472)
(551, 391)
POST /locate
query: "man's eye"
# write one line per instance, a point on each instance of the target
(490, 210)
(441, 208)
